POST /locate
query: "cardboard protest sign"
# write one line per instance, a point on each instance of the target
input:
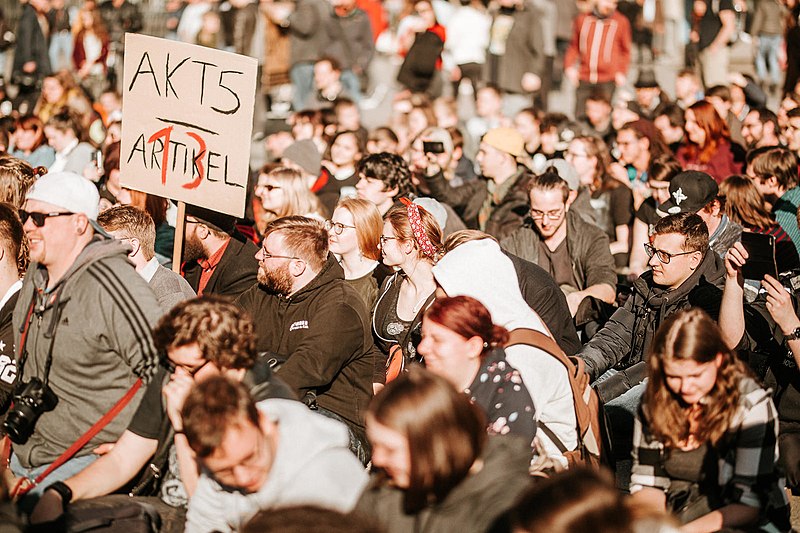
(187, 121)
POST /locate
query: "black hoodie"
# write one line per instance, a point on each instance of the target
(323, 331)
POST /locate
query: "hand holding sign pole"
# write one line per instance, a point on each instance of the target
(187, 123)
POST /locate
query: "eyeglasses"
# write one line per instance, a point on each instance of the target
(266, 255)
(337, 227)
(40, 218)
(555, 214)
(268, 188)
(663, 256)
(167, 363)
(385, 238)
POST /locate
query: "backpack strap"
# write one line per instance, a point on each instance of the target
(535, 338)
(553, 437)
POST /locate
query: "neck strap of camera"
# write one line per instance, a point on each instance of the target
(24, 485)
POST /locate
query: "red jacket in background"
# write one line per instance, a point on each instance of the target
(602, 45)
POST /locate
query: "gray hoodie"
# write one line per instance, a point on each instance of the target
(102, 344)
(481, 270)
(313, 466)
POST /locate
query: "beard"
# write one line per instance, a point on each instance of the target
(277, 280)
(193, 249)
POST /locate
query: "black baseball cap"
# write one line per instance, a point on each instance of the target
(220, 221)
(689, 192)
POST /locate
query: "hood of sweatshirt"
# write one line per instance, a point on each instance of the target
(331, 270)
(308, 443)
(480, 269)
(98, 248)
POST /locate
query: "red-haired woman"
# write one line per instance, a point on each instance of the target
(461, 344)
(90, 50)
(706, 435)
(708, 146)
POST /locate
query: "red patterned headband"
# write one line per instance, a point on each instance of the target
(417, 229)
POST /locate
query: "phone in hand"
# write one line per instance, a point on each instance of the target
(433, 147)
(761, 251)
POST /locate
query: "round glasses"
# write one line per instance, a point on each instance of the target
(337, 227)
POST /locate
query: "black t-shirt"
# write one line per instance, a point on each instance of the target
(647, 212)
(710, 24)
(557, 263)
(151, 414)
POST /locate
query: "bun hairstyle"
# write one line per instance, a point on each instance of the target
(469, 318)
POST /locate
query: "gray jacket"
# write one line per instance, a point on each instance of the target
(99, 318)
(624, 341)
(170, 288)
(306, 28)
(524, 50)
(587, 245)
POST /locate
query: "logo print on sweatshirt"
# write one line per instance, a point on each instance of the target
(300, 324)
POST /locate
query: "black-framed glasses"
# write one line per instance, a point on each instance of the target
(266, 255)
(337, 227)
(663, 256)
(40, 218)
(167, 363)
(385, 238)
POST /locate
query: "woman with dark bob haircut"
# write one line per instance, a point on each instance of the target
(438, 471)
(705, 438)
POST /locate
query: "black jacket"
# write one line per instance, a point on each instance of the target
(235, 273)
(506, 216)
(545, 297)
(32, 44)
(473, 506)
(323, 332)
(624, 342)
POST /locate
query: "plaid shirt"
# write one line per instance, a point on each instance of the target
(747, 465)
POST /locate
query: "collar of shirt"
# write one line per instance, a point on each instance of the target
(213, 261)
(149, 269)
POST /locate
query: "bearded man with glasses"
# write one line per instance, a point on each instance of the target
(310, 317)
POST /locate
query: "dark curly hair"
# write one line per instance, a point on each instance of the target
(223, 331)
(391, 169)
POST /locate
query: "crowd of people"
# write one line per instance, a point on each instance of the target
(498, 316)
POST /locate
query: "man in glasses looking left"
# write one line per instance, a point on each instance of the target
(82, 329)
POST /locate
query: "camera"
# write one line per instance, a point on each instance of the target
(31, 400)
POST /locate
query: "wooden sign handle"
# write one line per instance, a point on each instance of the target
(177, 247)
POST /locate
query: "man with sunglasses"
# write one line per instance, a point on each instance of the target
(575, 252)
(306, 313)
(199, 339)
(86, 316)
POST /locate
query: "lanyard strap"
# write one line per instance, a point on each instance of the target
(81, 442)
